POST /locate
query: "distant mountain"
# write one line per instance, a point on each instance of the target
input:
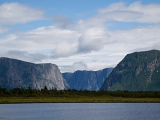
(16, 73)
(67, 76)
(90, 80)
(137, 71)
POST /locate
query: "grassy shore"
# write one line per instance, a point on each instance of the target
(20, 95)
(77, 99)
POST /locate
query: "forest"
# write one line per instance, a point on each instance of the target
(21, 92)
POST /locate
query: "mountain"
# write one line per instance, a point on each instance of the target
(90, 80)
(16, 73)
(67, 76)
(137, 71)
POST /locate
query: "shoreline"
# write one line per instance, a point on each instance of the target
(80, 99)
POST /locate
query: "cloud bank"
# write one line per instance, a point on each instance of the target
(12, 13)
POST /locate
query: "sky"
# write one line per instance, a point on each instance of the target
(78, 34)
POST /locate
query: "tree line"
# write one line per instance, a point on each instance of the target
(29, 92)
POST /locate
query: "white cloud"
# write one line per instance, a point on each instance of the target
(24, 55)
(62, 22)
(93, 39)
(57, 42)
(41, 39)
(135, 12)
(80, 65)
(3, 29)
(140, 37)
(13, 13)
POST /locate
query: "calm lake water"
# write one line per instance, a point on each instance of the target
(80, 111)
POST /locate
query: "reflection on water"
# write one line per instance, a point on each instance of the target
(80, 111)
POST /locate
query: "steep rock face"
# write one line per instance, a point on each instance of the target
(16, 73)
(137, 71)
(67, 75)
(90, 80)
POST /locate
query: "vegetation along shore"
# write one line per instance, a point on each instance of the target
(20, 95)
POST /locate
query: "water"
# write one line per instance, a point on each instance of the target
(80, 111)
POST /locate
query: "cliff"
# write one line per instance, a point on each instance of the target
(137, 71)
(16, 73)
(89, 80)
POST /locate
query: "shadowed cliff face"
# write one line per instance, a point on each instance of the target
(137, 71)
(90, 80)
(16, 73)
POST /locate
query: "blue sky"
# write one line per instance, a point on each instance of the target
(78, 34)
(73, 9)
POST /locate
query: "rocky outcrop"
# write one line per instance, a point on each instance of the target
(151, 67)
(137, 71)
(16, 73)
(89, 80)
